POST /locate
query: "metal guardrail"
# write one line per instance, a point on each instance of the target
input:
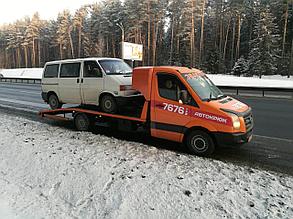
(262, 90)
(21, 80)
(237, 89)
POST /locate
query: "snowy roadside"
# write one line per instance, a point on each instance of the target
(269, 81)
(51, 172)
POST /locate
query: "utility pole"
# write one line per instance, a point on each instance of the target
(120, 25)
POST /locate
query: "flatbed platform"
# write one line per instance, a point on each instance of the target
(60, 114)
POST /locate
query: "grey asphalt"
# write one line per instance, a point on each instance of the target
(271, 148)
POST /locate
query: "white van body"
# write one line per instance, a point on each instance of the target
(85, 81)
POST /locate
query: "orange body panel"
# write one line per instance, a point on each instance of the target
(172, 136)
(142, 81)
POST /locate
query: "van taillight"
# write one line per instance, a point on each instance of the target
(125, 87)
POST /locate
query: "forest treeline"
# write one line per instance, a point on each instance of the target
(247, 37)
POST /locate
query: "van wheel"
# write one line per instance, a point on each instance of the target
(81, 122)
(200, 143)
(54, 102)
(108, 104)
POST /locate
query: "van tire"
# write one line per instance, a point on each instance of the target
(200, 143)
(54, 102)
(81, 122)
(108, 104)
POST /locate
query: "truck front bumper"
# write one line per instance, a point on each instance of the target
(230, 139)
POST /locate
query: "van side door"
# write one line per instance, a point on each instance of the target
(69, 83)
(50, 78)
(92, 82)
(169, 114)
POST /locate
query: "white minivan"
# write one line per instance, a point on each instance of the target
(103, 82)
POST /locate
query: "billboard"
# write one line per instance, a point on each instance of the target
(132, 51)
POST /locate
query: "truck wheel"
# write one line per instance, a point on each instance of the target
(200, 143)
(108, 104)
(54, 102)
(81, 122)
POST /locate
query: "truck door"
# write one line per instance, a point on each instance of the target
(169, 115)
(69, 83)
(92, 82)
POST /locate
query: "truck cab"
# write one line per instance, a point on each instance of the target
(185, 106)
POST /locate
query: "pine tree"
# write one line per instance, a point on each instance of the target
(241, 67)
(78, 24)
(32, 39)
(63, 35)
(265, 45)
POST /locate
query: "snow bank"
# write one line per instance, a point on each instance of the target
(32, 73)
(51, 172)
(228, 80)
(275, 81)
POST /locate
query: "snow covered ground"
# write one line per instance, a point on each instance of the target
(52, 172)
(267, 82)
(34, 73)
(276, 81)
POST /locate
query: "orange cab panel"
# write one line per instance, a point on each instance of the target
(171, 118)
(142, 81)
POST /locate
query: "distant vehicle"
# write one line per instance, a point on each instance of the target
(177, 104)
(104, 82)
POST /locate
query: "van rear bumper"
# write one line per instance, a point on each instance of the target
(229, 139)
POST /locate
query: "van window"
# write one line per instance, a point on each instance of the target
(91, 70)
(115, 67)
(51, 71)
(70, 70)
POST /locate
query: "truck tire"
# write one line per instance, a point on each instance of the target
(200, 143)
(108, 104)
(54, 102)
(81, 122)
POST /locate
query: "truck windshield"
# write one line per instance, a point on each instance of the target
(115, 67)
(204, 87)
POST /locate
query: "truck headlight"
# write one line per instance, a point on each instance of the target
(235, 121)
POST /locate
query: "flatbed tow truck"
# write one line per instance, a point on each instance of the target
(176, 103)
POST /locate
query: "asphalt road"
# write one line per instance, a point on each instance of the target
(271, 148)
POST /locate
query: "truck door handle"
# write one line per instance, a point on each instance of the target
(159, 105)
(77, 80)
(81, 80)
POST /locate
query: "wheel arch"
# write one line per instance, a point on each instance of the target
(50, 93)
(199, 128)
(103, 93)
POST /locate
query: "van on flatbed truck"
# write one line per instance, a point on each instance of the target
(178, 104)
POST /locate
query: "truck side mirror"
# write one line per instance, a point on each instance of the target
(183, 99)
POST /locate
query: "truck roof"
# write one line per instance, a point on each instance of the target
(176, 68)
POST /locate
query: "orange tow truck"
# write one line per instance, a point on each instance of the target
(176, 103)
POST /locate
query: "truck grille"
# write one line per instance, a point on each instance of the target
(248, 120)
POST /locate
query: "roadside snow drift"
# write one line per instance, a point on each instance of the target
(30, 73)
(274, 81)
(51, 172)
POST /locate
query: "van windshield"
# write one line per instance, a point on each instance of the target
(115, 67)
(204, 87)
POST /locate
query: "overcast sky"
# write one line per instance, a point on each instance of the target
(11, 10)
